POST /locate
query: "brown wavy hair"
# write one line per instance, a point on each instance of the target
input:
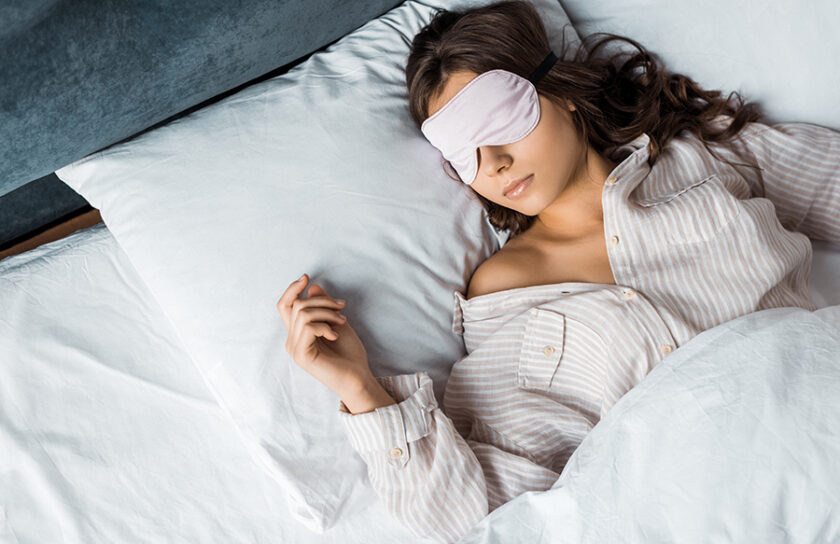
(617, 96)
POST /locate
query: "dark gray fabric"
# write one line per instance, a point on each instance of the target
(80, 75)
(37, 206)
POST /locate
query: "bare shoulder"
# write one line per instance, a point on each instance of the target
(502, 270)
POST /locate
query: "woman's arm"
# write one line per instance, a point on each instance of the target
(428, 476)
(800, 174)
(371, 395)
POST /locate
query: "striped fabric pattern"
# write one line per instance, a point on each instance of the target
(693, 242)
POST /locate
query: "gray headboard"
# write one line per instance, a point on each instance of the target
(81, 75)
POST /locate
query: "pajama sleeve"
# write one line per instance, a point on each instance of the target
(427, 475)
(800, 174)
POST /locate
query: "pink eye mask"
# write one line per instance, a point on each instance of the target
(495, 108)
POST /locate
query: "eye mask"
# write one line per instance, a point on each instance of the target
(495, 108)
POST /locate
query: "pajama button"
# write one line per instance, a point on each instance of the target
(614, 240)
(396, 452)
(629, 294)
(666, 349)
(548, 350)
(611, 180)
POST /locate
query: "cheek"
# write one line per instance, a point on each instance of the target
(558, 148)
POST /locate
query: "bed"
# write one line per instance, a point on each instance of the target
(145, 394)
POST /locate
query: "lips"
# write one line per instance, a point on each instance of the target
(510, 186)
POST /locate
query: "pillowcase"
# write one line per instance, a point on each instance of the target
(781, 56)
(318, 170)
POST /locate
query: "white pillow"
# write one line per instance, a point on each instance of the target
(318, 170)
(782, 54)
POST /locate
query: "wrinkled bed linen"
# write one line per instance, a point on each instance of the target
(734, 438)
(107, 431)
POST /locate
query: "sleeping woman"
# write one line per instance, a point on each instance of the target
(641, 211)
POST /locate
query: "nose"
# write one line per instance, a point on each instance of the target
(492, 159)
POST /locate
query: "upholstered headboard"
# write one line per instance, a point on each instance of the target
(78, 76)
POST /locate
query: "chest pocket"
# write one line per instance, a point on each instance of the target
(542, 348)
(697, 213)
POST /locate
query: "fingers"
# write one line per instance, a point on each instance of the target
(300, 343)
(317, 302)
(291, 294)
(324, 330)
(308, 315)
(316, 290)
(311, 303)
(290, 303)
(310, 323)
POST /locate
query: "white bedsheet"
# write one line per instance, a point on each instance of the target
(107, 431)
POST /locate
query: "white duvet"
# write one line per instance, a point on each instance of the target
(734, 438)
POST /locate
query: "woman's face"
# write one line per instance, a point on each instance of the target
(552, 152)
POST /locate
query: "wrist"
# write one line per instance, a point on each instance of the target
(367, 397)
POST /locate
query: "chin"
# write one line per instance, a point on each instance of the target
(526, 209)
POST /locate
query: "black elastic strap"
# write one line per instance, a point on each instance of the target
(543, 68)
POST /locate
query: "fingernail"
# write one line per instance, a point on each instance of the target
(340, 301)
(300, 278)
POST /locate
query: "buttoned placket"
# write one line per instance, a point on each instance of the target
(612, 180)
(614, 187)
(630, 294)
(614, 239)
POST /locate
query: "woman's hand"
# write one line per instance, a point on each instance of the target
(321, 341)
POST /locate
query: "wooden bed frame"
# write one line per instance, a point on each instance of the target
(82, 220)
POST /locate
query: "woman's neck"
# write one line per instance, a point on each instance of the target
(577, 212)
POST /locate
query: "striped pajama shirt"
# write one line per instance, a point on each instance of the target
(692, 241)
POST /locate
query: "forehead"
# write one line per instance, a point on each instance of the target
(455, 83)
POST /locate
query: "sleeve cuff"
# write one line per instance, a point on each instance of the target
(389, 429)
